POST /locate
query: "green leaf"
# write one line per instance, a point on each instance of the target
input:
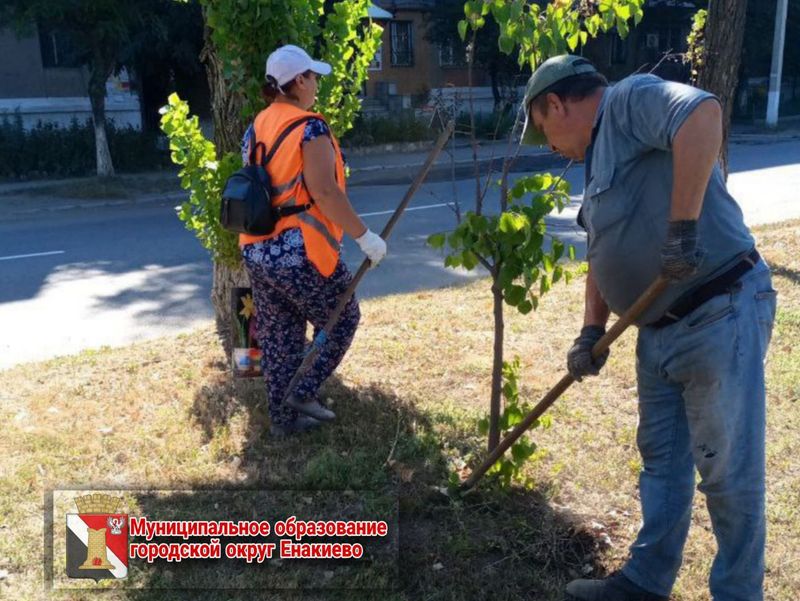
(514, 416)
(452, 261)
(462, 30)
(521, 451)
(514, 295)
(436, 240)
(506, 44)
(623, 11)
(483, 426)
(525, 307)
(512, 222)
(469, 260)
(573, 40)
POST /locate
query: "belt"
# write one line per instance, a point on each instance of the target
(719, 285)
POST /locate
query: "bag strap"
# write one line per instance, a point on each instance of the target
(254, 144)
(285, 211)
(289, 129)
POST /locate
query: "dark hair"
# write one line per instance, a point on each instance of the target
(574, 88)
(270, 89)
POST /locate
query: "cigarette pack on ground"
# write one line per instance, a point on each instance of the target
(246, 353)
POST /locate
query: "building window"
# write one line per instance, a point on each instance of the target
(57, 49)
(451, 54)
(402, 44)
(376, 64)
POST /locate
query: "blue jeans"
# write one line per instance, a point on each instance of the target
(702, 405)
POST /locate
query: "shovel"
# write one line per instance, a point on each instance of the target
(322, 335)
(644, 301)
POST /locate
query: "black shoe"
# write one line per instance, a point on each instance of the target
(614, 588)
(302, 424)
(312, 408)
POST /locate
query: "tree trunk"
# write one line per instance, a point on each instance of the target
(225, 280)
(493, 75)
(495, 403)
(101, 70)
(226, 111)
(226, 104)
(719, 74)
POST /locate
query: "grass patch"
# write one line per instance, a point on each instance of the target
(408, 397)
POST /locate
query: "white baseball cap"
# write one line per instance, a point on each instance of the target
(287, 62)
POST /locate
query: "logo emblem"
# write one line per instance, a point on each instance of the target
(97, 539)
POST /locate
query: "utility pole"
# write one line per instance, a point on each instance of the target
(774, 98)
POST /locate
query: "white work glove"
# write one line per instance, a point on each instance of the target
(372, 245)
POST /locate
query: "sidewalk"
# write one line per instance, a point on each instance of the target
(21, 199)
(370, 167)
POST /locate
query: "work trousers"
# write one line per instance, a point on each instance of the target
(289, 292)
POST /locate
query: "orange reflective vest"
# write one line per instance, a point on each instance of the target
(322, 237)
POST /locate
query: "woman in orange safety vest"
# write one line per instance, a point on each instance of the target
(296, 272)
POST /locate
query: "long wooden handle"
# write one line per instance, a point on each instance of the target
(600, 347)
(322, 336)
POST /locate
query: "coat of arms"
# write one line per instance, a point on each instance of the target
(97, 539)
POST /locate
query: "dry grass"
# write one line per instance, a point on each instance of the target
(421, 378)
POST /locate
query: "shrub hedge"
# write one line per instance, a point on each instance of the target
(49, 150)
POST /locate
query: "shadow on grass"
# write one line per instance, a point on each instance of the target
(383, 452)
(793, 275)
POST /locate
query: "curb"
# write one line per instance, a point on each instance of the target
(54, 208)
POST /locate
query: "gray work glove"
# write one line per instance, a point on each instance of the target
(579, 357)
(680, 254)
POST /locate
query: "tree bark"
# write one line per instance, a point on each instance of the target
(226, 111)
(495, 402)
(224, 281)
(226, 104)
(719, 74)
(101, 70)
(493, 75)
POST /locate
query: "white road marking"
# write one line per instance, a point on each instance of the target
(47, 254)
(421, 208)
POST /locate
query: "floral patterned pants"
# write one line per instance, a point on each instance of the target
(289, 292)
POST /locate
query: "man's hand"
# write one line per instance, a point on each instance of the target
(681, 255)
(579, 357)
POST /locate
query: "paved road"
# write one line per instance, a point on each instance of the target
(82, 278)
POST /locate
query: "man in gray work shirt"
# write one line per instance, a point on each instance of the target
(655, 203)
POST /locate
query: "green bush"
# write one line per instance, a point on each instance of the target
(491, 126)
(50, 150)
(403, 127)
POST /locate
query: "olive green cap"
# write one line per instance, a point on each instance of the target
(548, 73)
